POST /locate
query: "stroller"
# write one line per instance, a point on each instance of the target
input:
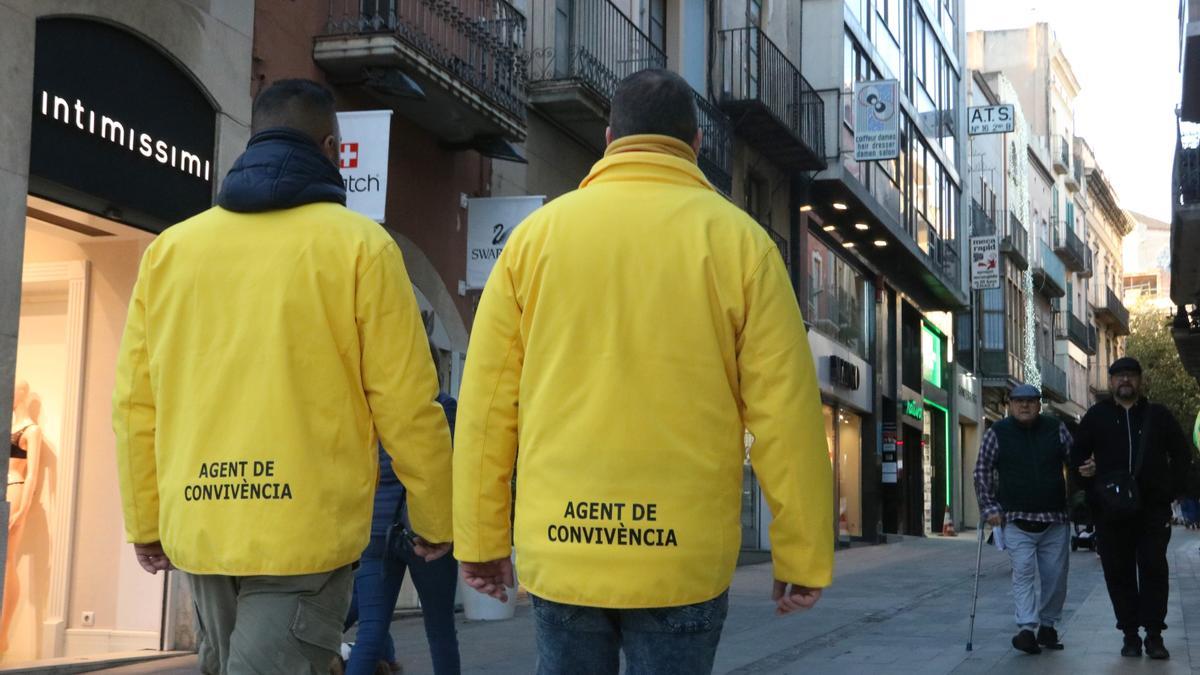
(1083, 530)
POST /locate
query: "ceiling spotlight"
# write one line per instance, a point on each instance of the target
(829, 228)
(848, 244)
(880, 243)
(862, 226)
(839, 206)
(806, 208)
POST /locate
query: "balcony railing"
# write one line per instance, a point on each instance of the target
(481, 43)
(782, 243)
(1016, 243)
(1054, 380)
(1000, 363)
(1117, 309)
(1083, 335)
(595, 45)
(716, 145)
(1070, 247)
(1187, 175)
(757, 79)
(1050, 277)
(1060, 154)
(982, 224)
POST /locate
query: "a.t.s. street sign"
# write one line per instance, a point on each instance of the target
(991, 119)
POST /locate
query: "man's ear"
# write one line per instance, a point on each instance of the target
(608, 139)
(697, 141)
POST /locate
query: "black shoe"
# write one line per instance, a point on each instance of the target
(1048, 638)
(1026, 642)
(1132, 646)
(1155, 648)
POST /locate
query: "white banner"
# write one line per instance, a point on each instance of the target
(363, 160)
(876, 120)
(985, 263)
(991, 119)
(490, 221)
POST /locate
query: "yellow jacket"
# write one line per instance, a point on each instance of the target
(262, 355)
(629, 334)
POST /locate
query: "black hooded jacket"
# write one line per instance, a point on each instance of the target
(280, 169)
(1113, 436)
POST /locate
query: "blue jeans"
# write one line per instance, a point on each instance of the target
(576, 640)
(376, 588)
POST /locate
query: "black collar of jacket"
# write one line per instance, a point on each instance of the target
(1137, 408)
(280, 169)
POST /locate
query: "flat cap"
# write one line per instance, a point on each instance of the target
(1024, 391)
(1125, 364)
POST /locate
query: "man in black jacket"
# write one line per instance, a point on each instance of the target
(1122, 442)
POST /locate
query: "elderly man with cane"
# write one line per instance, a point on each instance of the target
(1022, 490)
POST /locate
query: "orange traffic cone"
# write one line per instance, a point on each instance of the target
(948, 526)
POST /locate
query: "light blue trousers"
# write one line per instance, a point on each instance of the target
(1035, 555)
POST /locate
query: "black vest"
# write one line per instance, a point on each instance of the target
(1030, 463)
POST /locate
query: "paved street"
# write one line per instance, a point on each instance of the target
(900, 608)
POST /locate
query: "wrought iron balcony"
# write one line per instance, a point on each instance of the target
(455, 67)
(1060, 155)
(1001, 364)
(1187, 176)
(1054, 381)
(782, 243)
(578, 56)
(1070, 247)
(1075, 180)
(1049, 275)
(982, 224)
(778, 111)
(1083, 335)
(1185, 230)
(716, 145)
(1113, 312)
(1016, 243)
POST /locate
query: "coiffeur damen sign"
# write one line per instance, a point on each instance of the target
(118, 122)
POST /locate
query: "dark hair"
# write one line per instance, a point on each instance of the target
(654, 101)
(303, 105)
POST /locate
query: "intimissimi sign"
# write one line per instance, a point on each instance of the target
(117, 124)
(114, 131)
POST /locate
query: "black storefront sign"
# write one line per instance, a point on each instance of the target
(843, 373)
(117, 121)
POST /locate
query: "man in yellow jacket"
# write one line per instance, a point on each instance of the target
(630, 333)
(271, 342)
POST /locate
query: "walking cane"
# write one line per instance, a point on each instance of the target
(975, 596)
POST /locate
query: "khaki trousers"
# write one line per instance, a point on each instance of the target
(271, 624)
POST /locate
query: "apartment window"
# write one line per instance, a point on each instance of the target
(754, 13)
(658, 24)
(757, 195)
(1071, 215)
(839, 296)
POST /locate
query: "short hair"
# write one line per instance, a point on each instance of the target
(654, 101)
(298, 104)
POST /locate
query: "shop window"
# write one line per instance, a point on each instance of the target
(849, 471)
